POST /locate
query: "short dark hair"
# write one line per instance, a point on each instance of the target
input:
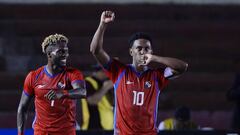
(139, 35)
(182, 113)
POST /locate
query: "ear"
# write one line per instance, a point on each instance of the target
(130, 51)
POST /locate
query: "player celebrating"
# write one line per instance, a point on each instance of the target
(53, 87)
(137, 87)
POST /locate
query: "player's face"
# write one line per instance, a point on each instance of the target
(139, 48)
(60, 54)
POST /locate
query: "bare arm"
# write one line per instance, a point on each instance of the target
(22, 112)
(96, 97)
(96, 46)
(178, 66)
(78, 91)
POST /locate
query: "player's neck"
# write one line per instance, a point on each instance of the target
(139, 68)
(53, 69)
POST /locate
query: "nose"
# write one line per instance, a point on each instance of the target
(66, 54)
(142, 52)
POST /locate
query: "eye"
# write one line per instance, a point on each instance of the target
(146, 49)
(139, 48)
(61, 52)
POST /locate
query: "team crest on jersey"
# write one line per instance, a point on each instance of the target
(61, 85)
(147, 85)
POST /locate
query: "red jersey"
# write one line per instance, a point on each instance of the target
(136, 98)
(62, 114)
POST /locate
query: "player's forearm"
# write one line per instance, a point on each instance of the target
(75, 93)
(22, 112)
(97, 41)
(176, 64)
(96, 46)
(99, 94)
(21, 118)
(107, 85)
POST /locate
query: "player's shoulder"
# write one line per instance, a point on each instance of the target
(114, 65)
(72, 70)
(36, 71)
(155, 70)
(160, 69)
(117, 61)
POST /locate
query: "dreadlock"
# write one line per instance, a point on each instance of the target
(53, 40)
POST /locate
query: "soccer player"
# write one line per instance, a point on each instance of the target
(53, 88)
(137, 87)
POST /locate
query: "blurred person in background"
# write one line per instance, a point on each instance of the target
(136, 86)
(97, 109)
(54, 88)
(180, 121)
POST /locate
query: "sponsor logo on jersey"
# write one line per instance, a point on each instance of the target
(147, 85)
(129, 82)
(40, 86)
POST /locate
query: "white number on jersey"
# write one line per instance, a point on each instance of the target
(138, 98)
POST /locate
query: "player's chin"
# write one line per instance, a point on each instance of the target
(142, 64)
(62, 64)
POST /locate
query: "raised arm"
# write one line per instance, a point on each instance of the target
(96, 46)
(177, 66)
(22, 112)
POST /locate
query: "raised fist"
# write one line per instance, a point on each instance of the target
(107, 16)
(146, 59)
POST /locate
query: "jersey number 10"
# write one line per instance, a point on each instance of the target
(138, 98)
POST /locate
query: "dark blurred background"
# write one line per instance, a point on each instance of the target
(204, 34)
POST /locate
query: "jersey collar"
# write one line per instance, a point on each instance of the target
(136, 72)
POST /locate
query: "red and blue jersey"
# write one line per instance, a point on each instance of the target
(62, 114)
(136, 98)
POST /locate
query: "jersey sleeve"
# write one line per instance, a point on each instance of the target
(28, 84)
(76, 76)
(168, 72)
(161, 78)
(113, 69)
